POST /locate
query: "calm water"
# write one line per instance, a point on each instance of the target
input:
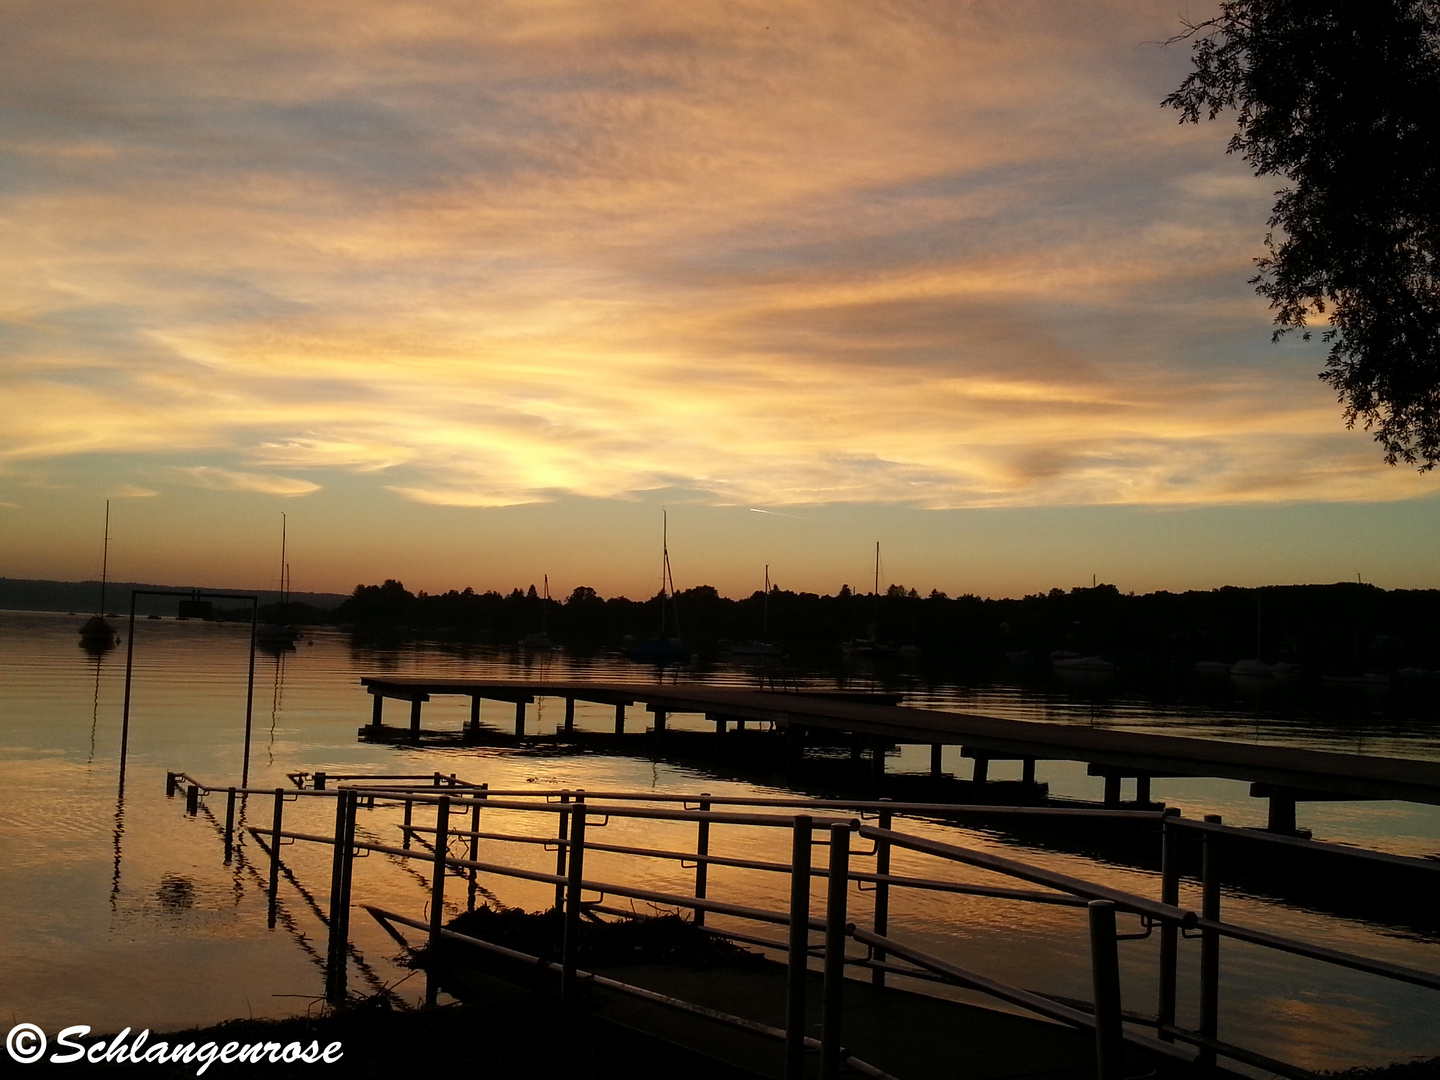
(119, 911)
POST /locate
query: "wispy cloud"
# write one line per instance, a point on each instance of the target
(209, 476)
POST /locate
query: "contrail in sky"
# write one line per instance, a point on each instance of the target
(776, 513)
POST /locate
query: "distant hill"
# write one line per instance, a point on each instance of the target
(21, 594)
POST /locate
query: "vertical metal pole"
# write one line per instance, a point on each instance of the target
(573, 884)
(569, 714)
(437, 898)
(1169, 933)
(192, 800)
(229, 823)
(337, 874)
(702, 850)
(340, 927)
(560, 842)
(1209, 942)
(250, 688)
(1105, 973)
(319, 781)
(474, 843)
(275, 853)
(619, 719)
(835, 935)
(169, 785)
(129, 669)
(882, 895)
(798, 958)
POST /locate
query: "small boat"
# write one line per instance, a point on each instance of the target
(870, 646)
(540, 640)
(1252, 669)
(96, 633)
(280, 635)
(763, 647)
(1082, 663)
(664, 649)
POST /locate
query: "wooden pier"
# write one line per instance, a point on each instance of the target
(1284, 775)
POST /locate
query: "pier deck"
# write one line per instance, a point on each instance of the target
(1285, 775)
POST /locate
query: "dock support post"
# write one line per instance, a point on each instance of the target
(835, 935)
(1281, 818)
(377, 711)
(1105, 973)
(1169, 894)
(798, 957)
(560, 842)
(1209, 942)
(415, 719)
(519, 719)
(982, 769)
(569, 715)
(659, 721)
(474, 716)
(1142, 790)
(882, 895)
(574, 881)
(1027, 770)
(437, 900)
(275, 854)
(192, 800)
(702, 850)
(935, 751)
(229, 825)
(1112, 789)
(619, 719)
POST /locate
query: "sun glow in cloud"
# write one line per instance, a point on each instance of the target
(939, 254)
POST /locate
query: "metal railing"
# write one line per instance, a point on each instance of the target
(576, 812)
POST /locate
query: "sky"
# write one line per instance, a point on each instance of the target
(472, 291)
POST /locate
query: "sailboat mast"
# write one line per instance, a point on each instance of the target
(765, 608)
(105, 560)
(283, 567)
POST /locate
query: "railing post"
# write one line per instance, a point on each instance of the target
(882, 894)
(437, 897)
(798, 958)
(275, 853)
(560, 842)
(832, 1006)
(229, 824)
(702, 850)
(1209, 942)
(334, 965)
(192, 800)
(169, 785)
(319, 781)
(574, 881)
(409, 812)
(1170, 836)
(474, 841)
(1105, 973)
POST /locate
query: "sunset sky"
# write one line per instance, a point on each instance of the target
(470, 290)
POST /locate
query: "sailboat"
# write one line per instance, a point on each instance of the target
(97, 633)
(662, 650)
(280, 635)
(763, 647)
(870, 646)
(540, 640)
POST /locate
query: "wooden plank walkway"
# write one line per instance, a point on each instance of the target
(1283, 774)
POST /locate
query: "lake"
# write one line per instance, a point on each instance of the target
(121, 912)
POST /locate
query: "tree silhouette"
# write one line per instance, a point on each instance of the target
(1342, 98)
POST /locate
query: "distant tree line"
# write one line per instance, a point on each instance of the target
(1341, 628)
